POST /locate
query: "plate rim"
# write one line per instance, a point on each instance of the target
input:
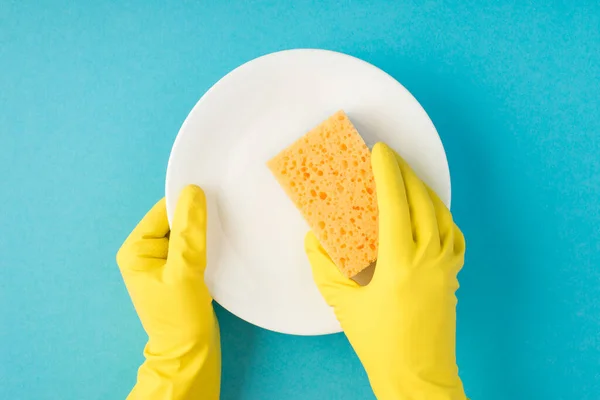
(224, 302)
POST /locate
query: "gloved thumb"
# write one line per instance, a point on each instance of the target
(187, 242)
(328, 278)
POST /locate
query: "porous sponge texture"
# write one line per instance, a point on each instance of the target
(327, 174)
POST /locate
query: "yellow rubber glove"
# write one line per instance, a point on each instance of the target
(164, 274)
(402, 325)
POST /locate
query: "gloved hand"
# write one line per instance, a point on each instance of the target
(402, 325)
(164, 274)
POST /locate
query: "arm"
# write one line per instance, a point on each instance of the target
(164, 274)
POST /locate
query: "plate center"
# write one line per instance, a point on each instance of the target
(259, 220)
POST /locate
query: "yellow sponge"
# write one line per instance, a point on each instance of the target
(327, 174)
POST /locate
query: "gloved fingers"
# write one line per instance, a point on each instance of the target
(454, 251)
(144, 254)
(187, 247)
(444, 221)
(328, 278)
(395, 232)
(460, 244)
(147, 240)
(422, 212)
(151, 248)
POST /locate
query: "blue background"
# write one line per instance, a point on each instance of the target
(92, 96)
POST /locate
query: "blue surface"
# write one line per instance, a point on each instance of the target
(92, 96)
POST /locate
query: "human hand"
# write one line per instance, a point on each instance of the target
(164, 274)
(402, 325)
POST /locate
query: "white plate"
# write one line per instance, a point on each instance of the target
(257, 268)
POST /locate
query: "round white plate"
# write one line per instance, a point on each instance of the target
(257, 268)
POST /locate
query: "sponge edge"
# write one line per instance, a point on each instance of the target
(327, 174)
